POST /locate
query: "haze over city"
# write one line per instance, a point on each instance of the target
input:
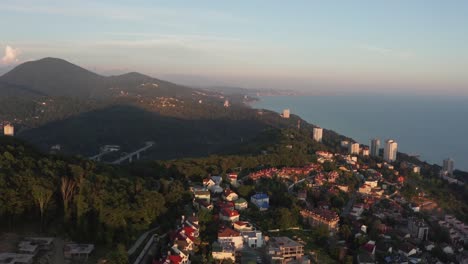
(222, 132)
(415, 47)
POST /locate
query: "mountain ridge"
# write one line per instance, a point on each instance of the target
(58, 77)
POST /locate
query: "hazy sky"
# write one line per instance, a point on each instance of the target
(379, 46)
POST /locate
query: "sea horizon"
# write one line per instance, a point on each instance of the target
(431, 127)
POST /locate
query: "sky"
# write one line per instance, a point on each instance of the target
(398, 46)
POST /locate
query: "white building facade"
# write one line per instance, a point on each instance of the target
(317, 134)
(390, 151)
(353, 148)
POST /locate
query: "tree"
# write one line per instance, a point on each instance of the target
(345, 231)
(329, 166)
(42, 196)
(174, 192)
(285, 218)
(245, 190)
(151, 204)
(67, 189)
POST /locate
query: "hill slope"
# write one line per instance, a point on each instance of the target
(130, 127)
(52, 101)
(57, 77)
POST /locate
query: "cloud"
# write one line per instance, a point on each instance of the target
(387, 51)
(11, 55)
(93, 9)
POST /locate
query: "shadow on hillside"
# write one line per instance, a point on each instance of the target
(130, 127)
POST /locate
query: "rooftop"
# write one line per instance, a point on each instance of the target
(12, 258)
(228, 232)
(325, 214)
(240, 200)
(229, 212)
(79, 248)
(260, 196)
(283, 242)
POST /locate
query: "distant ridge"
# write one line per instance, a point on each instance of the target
(58, 77)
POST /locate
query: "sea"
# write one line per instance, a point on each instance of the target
(434, 128)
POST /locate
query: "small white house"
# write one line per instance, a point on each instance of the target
(228, 235)
(240, 204)
(253, 239)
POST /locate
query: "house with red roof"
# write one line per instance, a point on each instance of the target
(229, 215)
(369, 247)
(208, 182)
(242, 226)
(230, 195)
(225, 205)
(202, 204)
(320, 216)
(232, 178)
(229, 235)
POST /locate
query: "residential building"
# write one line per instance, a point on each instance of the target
(416, 169)
(458, 231)
(241, 204)
(344, 143)
(202, 204)
(317, 134)
(353, 148)
(8, 130)
(225, 205)
(44, 243)
(375, 147)
(448, 166)
(261, 200)
(183, 241)
(228, 235)
(253, 239)
(16, 258)
(286, 113)
(230, 195)
(390, 150)
(232, 177)
(208, 182)
(365, 151)
(372, 184)
(27, 247)
(284, 250)
(217, 179)
(418, 228)
(229, 215)
(407, 249)
(320, 216)
(77, 250)
(242, 226)
(202, 195)
(357, 210)
(181, 253)
(369, 247)
(223, 251)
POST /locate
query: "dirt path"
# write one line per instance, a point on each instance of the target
(58, 257)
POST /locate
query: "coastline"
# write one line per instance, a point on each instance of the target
(261, 99)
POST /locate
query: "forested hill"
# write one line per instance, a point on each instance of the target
(59, 78)
(86, 200)
(52, 102)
